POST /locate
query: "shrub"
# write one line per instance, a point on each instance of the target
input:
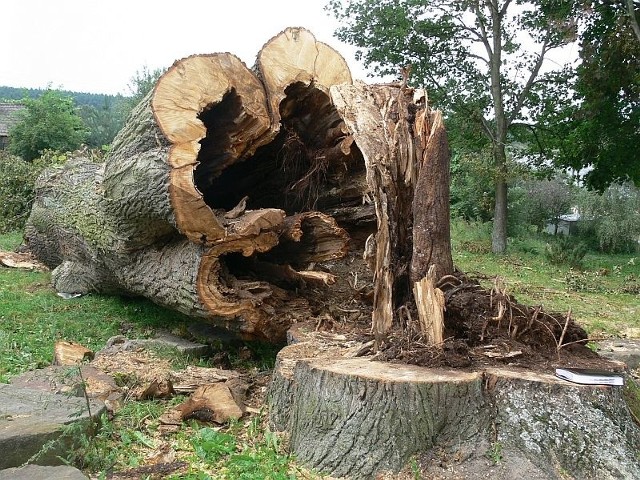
(17, 187)
(565, 251)
(49, 122)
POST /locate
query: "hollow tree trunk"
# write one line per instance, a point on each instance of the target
(229, 189)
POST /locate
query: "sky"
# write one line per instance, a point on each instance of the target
(98, 46)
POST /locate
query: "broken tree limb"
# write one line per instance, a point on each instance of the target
(406, 157)
(431, 232)
(201, 182)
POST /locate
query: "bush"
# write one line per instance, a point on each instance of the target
(565, 251)
(17, 187)
(611, 219)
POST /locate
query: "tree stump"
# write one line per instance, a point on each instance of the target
(356, 417)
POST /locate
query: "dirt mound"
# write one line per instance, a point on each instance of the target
(487, 327)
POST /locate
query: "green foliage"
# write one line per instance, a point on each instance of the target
(599, 127)
(565, 250)
(631, 394)
(96, 100)
(142, 83)
(102, 115)
(607, 301)
(612, 219)
(494, 453)
(33, 318)
(49, 122)
(210, 445)
(17, 178)
(17, 187)
(546, 200)
(480, 62)
(103, 123)
(471, 192)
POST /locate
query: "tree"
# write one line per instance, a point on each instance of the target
(142, 83)
(480, 59)
(48, 122)
(546, 201)
(612, 217)
(103, 122)
(599, 131)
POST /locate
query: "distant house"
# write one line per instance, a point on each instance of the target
(566, 225)
(8, 118)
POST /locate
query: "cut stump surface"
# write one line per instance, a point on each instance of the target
(356, 417)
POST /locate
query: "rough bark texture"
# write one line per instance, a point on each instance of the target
(228, 190)
(355, 417)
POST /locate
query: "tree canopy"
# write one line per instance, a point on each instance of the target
(482, 60)
(599, 131)
(48, 122)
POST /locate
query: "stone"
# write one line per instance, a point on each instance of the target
(162, 339)
(38, 472)
(182, 345)
(30, 418)
(622, 350)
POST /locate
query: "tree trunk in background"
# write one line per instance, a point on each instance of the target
(228, 193)
(499, 233)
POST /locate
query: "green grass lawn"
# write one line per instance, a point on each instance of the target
(603, 295)
(33, 317)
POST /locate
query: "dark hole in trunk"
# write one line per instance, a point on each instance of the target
(295, 172)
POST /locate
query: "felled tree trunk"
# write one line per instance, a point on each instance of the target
(228, 190)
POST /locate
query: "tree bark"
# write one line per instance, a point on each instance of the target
(357, 418)
(228, 188)
(499, 234)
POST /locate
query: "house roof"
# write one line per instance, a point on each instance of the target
(8, 117)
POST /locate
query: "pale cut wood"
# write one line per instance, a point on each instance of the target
(189, 88)
(218, 196)
(70, 353)
(431, 304)
(392, 143)
(295, 56)
(113, 227)
(211, 403)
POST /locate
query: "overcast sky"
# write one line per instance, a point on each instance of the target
(98, 45)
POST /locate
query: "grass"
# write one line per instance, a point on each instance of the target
(33, 318)
(603, 295)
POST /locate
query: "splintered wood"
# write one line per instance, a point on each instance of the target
(430, 302)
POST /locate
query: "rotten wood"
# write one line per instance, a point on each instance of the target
(211, 403)
(231, 192)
